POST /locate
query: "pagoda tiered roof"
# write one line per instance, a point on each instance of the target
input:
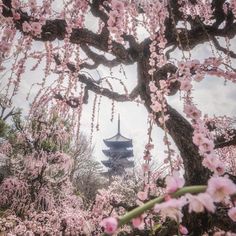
(118, 153)
(119, 149)
(113, 165)
(118, 141)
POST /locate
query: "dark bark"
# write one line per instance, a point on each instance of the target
(180, 131)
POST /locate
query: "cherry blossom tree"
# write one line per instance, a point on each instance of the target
(147, 34)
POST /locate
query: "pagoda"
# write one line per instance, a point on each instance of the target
(118, 152)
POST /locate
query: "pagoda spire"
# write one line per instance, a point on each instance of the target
(119, 123)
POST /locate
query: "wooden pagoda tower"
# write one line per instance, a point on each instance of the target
(118, 152)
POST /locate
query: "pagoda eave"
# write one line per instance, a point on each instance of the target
(113, 165)
(118, 154)
(119, 144)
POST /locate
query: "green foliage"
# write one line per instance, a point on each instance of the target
(4, 128)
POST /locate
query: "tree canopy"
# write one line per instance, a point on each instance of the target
(158, 38)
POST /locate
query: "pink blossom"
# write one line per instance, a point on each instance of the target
(26, 27)
(219, 167)
(145, 167)
(198, 138)
(147, 157)
(29, 233)
(36, 28)
(174, 182)
(220, 187)
(5, 47)
(181, 65)
(171, 208)
(199, 77)
(142, 195)
(32, 3)
(149, 146)
(156, 107)
(20, 229)
(110, 225)
(163, 84)
(16, 15)
(192, 112)
(232, 214)
(152, 87)
(138, 222)
(118, 5)
(183, 230)
(15, 3)
(206, 145)
(162, 43)
(208, 161)
(199, 202)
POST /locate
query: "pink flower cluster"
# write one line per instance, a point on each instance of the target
(203, 139)
(174, 182)
(34, 27)
(110, 225)
(202, 9)
(218, 189)
(201, 135)
(7, 37)
(233, 6)
(116, 20)
(158, 98)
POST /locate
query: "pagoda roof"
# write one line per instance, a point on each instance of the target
(118, 140)
(114, 165)
(118, 153)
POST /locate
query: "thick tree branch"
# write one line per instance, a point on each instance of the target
(72, 67)
(95, 10)
(178, 127)
(56, 29)
(99, 59)
(92, 86)
(200, 35)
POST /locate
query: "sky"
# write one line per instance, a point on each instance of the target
(210, 95)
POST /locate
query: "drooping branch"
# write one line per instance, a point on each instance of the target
(72, 67)
(72, 101)
(91, 86)
(222, 49)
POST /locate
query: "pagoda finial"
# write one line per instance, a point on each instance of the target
(118, 123)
